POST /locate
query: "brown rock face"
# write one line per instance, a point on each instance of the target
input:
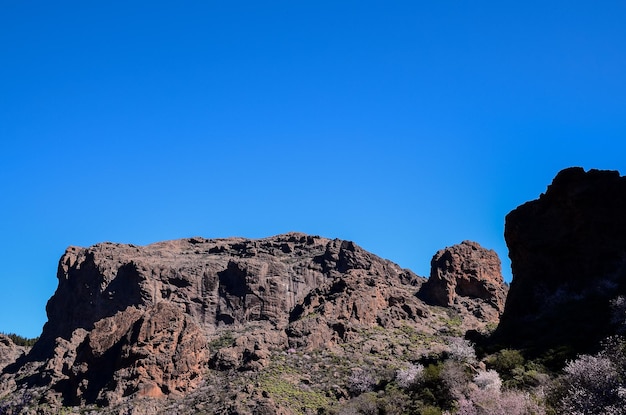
(152, 352)
(465, 270)
(568, 254)
(364, 292)
(150, 321)
(131, 320)
(216, 322)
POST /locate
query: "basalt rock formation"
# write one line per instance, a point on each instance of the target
(465, 272)
(167, 319)
(568, 257)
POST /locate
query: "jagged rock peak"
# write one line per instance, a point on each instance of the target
(568, 258)
(465, 270)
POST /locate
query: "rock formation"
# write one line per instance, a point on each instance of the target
(465, 271)
(275, 325)
(9, 351)
(568, 255)
(167, 319)
(138, 320)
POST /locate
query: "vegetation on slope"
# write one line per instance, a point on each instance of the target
(20, 340)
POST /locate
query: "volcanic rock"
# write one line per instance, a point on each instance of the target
(465, 270)
(568, 257)
(9, 351)
(188, 319)
(149, 321)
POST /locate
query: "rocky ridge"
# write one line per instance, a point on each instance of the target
(141, 324)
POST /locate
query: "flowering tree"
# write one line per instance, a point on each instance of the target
(485, 397)
(592, 385)
(461, 350)
(361, 381)
(488, 379)
(409, 375)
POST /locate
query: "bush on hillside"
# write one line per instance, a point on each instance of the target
(409, 375)
(592, 385)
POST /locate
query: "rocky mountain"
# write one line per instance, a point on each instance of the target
(301, 324)
(274, 325)
(568, 256)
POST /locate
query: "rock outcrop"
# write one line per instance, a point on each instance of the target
(129, 320)
(568, 257)
(9, 351)
(167, 319)
(465, 271)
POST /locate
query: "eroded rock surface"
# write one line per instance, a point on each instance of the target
(364, 292)
(164, 320)
(129, 320)
(568, 255)
(465, 271)
(149, 321)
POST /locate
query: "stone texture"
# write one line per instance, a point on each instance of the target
(465, 270)
(568, 255)
(160, 322)
(144, 321)
(363, 292)
(128, 320)
(9, 351)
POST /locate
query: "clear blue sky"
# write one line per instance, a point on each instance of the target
(405, 126)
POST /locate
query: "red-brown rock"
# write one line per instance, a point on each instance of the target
(128, 320)
(130, 323)
(465, 270)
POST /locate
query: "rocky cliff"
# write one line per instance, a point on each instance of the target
(568, 256)
(176, 318)
(288, 324)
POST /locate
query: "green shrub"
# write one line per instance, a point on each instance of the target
(225, 340)
(430, 410)
(434, 390)
(505, 361)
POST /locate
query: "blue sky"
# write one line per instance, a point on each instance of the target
(405, 126)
